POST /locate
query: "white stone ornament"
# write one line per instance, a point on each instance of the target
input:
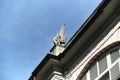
(60, 38)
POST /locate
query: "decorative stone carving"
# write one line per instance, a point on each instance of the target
(60, 38)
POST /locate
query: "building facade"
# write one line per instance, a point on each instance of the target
(93, 53)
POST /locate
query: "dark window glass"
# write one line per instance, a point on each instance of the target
(105, 77)
(114, 55)
(93, 72)
(115, 72)
(102, 64)
(118, 78)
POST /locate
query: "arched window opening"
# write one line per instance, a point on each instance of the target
(105, 67)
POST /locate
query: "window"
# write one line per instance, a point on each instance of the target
(102, 64)
(102, 69)
(114, 55)
(93, 72)
(105, 77)
(118, 78)
(115, 72)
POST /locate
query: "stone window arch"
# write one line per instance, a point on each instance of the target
(102, 58)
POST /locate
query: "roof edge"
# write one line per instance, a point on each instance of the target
(75, 37)
(85, 26)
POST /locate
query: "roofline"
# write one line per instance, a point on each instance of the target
(75, 37)
(98, 11)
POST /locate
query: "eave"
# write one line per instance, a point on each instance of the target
(64, 58)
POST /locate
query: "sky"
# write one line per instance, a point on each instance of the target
(27, 28)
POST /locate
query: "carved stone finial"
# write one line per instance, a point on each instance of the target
(62, 29)
(60, 38)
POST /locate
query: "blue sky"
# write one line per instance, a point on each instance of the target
(27, 28)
